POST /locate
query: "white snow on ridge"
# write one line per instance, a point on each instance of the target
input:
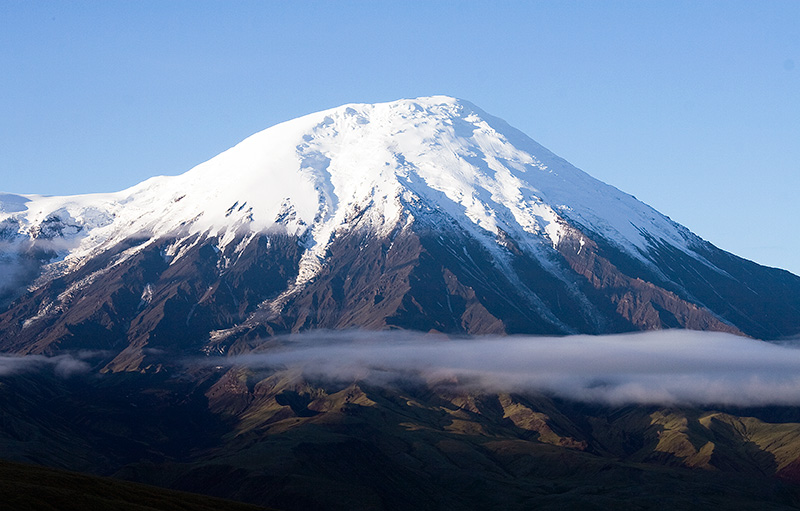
(315, 171)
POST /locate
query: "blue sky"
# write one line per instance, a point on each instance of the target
(693, 107)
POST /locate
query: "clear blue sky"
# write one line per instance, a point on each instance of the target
(693, 107)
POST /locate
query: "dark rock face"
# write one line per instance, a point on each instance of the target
(643, 303)
(758, 301)
(762, 302)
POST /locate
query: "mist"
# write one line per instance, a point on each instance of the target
(21, 262)
(62, 366)
(672, 367)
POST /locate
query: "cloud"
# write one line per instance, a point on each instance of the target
(63, 366)
(666, 367)
(21, 261)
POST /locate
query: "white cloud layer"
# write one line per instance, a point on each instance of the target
(665, 367)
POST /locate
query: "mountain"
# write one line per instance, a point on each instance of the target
(134, 327)
(425, 214)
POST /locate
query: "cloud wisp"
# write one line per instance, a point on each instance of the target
(62, 366)
(667, 367)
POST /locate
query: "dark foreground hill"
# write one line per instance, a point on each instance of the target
(281, 440)
(26, 487)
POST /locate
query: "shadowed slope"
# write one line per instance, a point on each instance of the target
(32, 488)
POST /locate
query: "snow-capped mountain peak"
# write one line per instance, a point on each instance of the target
(310, 174)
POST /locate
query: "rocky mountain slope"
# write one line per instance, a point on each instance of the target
(424, 214)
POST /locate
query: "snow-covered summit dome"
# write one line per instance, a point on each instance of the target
(310, 174)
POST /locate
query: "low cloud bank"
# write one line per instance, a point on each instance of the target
(63, 366)
(665, 367)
